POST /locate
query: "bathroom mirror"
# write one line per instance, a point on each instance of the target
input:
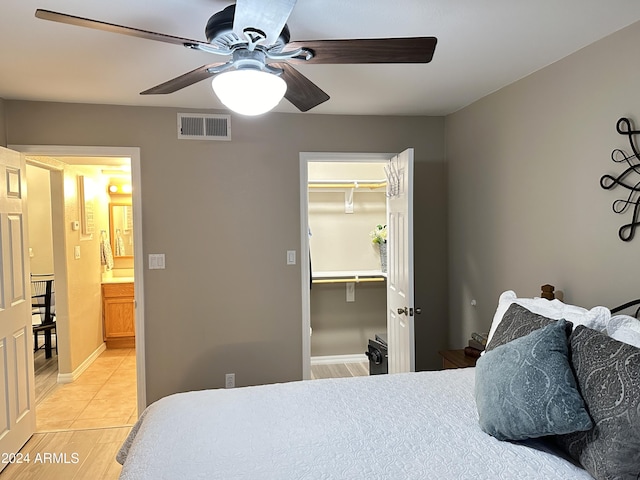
(121, 229)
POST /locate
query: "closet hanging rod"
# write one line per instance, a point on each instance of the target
(348, 280)
(347, 184)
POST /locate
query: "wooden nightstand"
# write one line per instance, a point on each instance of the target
(456, 359)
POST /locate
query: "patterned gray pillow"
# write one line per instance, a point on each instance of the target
(526, 389)
(608, 376)
(517, 322)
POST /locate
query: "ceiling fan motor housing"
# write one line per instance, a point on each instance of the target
(219, 30)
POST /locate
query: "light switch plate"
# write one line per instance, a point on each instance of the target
(291, 257)
(76, 252)
(156, 261)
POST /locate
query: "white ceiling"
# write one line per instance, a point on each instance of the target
(482, 46)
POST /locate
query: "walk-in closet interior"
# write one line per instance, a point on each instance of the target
(346, 202)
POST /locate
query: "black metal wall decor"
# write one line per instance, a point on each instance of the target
(609, 182)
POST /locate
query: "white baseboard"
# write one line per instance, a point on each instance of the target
(70, 377)
(328, 359)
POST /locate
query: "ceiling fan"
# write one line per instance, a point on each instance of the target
(258, 71)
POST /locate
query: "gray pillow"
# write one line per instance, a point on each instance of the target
(526, 389)
(517, 322)
(608, 376)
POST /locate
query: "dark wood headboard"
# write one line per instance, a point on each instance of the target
(624, 306)
(548, 292)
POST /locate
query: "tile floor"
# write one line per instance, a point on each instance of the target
(103, 396)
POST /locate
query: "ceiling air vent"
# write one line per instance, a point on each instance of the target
(197, 126)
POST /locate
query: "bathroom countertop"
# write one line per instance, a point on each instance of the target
(118, 280)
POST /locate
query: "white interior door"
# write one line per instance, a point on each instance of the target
(400, 295)
(17, 395)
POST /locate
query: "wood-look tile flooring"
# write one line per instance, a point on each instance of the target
(46, 373)
(339, 370)
(79, 455)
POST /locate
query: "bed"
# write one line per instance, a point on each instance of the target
(423, 425)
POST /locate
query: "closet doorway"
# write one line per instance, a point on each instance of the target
(348, 296)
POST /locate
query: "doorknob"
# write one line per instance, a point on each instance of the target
(418, 310)
(404, 310)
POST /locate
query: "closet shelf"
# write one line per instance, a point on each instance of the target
(346, 276)
(350, 184)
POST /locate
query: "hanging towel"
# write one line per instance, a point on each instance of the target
(106, 255)
(119, 246)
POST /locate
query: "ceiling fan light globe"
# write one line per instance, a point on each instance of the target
(249, 91)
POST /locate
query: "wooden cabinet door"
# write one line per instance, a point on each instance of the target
(119, 318)
(119, 315)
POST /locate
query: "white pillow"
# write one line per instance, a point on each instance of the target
(624, 329)
(597, 318)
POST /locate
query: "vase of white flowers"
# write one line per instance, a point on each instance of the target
(379, 238)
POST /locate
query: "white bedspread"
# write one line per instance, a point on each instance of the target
(405, 426)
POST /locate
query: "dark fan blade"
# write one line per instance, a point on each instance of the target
(110, 27)
(182, 81)
(373, 50)
(269, 17)
(301, 92)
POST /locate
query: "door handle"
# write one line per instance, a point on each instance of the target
(404, 310)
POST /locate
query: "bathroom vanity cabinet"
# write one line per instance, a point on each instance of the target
(118, 314)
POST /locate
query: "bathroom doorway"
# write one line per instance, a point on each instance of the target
(55, 157)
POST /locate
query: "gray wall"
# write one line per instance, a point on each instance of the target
(224, 213)
(431, 271)
(525, 203)
(344, 328)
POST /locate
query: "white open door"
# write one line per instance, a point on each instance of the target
(17, 395)
(400, 295)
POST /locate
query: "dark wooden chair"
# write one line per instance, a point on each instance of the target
(43, 306)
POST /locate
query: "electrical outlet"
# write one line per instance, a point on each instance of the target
(230, 380)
